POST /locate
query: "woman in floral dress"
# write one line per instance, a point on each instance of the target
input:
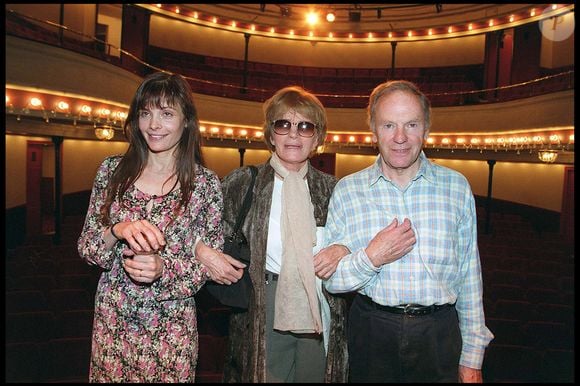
(147, 209)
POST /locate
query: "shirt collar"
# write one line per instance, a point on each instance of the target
(426, 170)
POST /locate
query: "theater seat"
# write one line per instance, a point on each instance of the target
(557, 366)
(69, 360)
(62, 300)
(74, 324)
(549, 335)
(29, 327)
(26, 362)
(211, 359)
(506, 363)
(33, 282)
(75, 281)
(26, 301)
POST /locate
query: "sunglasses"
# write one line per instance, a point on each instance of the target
(283, 127)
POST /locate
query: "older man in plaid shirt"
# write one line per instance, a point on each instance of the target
(411, 228)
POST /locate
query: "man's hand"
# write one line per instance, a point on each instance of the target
(223, 269)
(327, 259)
(391, 243)
(469, 375)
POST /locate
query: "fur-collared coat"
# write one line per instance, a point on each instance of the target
(246, 353)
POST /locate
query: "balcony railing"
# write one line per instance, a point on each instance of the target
(256, 81)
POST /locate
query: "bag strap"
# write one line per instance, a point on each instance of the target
(247, 201)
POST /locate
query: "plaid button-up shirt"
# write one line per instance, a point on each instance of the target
(443, 266)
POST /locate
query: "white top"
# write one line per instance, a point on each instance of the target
(274, 252)
(274, 246)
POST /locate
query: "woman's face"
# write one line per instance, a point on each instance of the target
(161, 127)
(293, 148)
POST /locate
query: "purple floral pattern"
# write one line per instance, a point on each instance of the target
(148, 333)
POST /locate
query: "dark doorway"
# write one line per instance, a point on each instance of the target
(567, 216)
(39, 189)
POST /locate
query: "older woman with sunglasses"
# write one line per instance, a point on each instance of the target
(293, 331)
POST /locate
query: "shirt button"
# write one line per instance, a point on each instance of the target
(412, 277)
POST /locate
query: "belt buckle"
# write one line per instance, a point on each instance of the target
(414, 309)
(407, 309)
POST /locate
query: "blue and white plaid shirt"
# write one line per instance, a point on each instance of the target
(443, 266)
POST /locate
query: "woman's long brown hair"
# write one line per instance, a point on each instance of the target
(158, 89)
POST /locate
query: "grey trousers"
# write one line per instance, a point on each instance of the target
(291, 358)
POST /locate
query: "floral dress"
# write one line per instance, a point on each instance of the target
(148, 332)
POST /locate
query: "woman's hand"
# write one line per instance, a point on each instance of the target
(141, 236)
(327, 259)
(142, 268)
(223, 269)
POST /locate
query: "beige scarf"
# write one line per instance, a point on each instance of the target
(296, 309)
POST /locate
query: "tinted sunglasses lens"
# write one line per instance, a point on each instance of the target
(282, 126)
(306, 129)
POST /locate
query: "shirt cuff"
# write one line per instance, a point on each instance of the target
(195, 245)
(364, 258)
(471, 357)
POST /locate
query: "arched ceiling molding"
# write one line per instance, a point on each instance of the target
(403, 22)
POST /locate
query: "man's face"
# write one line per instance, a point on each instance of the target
(399, 132)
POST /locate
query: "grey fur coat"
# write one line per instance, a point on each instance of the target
(246, 353)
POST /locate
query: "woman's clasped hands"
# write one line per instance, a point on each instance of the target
(144, 240)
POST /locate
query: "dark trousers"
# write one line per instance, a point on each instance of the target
(291, 358)
(388, 347)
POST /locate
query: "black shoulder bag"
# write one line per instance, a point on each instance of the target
(238, 294)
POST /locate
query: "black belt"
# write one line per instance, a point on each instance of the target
(270, 277)
(406, 309)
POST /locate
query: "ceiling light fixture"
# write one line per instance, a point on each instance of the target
(104, 133)
(330, 16)
(312, 18)
(548, 156)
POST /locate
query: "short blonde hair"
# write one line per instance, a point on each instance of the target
(297, 99)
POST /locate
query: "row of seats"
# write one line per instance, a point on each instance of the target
(226, 75)
(510, 363)
(48, 334)
(528, 279)
(56, 300)
(329, 97)
(565, 81)
(49, 311)
(60, 360)
(528, 301)
(210, 360)
(344, 86)
(43, 326)
(190, 61)
(322, 80)
(353, 93)
(446, 86)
